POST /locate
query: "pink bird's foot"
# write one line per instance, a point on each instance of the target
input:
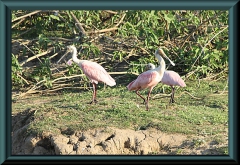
(171, 101)
(144, 101)
(95, 101)
(147, 109)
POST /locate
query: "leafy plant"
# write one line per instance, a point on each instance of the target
(196, 40)
(17, 73)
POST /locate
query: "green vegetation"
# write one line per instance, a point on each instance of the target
(121, 41)
(120, 108)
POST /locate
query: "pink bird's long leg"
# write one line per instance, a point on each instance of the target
(150, 90)
(144, 100)
(172, 95)
(94, 96)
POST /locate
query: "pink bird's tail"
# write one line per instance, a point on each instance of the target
(129, 86)
(181, 83)
(110, 81)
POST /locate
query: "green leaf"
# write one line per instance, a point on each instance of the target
(169, 17)
(55, 17)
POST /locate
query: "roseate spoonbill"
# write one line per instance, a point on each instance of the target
(170, 78)
(150, 78)
(95, 72)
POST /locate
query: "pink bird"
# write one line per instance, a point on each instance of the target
(150, 78)
(95, 72)
(170, 78)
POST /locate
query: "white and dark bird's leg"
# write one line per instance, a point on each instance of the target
(172, 95)
(94, 96)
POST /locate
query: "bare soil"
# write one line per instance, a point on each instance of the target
(110, 141)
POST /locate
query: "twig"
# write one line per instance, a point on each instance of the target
(215, 75)
(110, 11)
(189, 95)
(58, 38)
(23, 79)
(18, 23)
(78, 24)
(222, 92)
(24, 16)
(57, 89)
(144, 50)
(190, 73)
(61, 17)
(54, 55)
(224, 87)
(208, 43)
(198, 28)
(80, 75)
(163, 95)
(123, 73)
(103, 30)
(26, 31)
(36, 56)
(121, 20)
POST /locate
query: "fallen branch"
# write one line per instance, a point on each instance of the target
(123, 73)
(78, 24)
(110, 11)
(18, 22)
(163, 95)
(190, 95)
(23, 79)
(121, 20)
(103, 30)
(36, 56)
(27, 15)
(26, 31)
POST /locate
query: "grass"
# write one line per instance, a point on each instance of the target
(120, 108)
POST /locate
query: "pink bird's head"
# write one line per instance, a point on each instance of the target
(162, 54)
(149, 66)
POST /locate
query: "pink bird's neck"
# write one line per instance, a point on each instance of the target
(74, 55)
(162, 65)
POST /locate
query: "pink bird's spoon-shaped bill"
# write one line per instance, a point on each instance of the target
(70, 62)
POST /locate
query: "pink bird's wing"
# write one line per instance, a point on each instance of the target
(144, 80)
(96, 73)
(172, 78)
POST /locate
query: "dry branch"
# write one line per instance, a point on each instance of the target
(57, 80)
(110, 29)
(26, 31)
(78, 24)
(23, 79)
(121, 20)
(36, 56)
(110, 11)
(27, 15)
(103, 30)
(190, 95)
(18, 22)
